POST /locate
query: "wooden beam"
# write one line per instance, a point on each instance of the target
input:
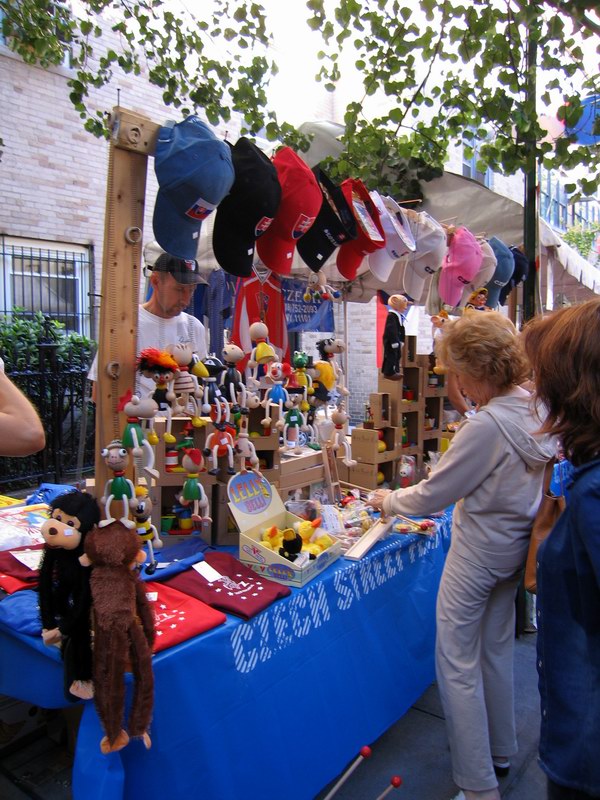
(133, 140)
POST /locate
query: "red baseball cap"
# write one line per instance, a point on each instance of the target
(301, 200)
(371, 236)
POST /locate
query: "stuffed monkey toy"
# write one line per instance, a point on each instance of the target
(64, 589)
(123, 631)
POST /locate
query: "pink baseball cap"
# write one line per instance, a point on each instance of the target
(460, 265)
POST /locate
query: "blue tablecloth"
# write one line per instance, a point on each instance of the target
(273, 707)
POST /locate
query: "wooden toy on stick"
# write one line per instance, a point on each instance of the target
(365, 752)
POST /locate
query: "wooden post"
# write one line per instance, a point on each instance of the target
(133, 140)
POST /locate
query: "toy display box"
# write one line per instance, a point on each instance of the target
(256, 506)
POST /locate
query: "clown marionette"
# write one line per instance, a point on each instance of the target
(276, 394)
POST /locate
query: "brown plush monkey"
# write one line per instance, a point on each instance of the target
(123, 630)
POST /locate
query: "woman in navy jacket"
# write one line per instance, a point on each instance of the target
(564, 350)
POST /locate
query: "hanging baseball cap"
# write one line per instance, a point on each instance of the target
(505, 265)
(399, 240)
(334, 225)
(430, 241)
(460, 265)
(485, 273)
(247, 211)
(520, 273)
(183, 270)
(194, 172)
(300, 203)
(371, 235)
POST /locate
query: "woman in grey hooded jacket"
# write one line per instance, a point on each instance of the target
(493, 471)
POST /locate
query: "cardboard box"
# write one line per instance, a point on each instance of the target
(224, 529)
(365, 475)
(256, 505)
(381, 410)
(365, 444)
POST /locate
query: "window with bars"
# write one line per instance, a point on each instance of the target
(470, 157)
(42, 277)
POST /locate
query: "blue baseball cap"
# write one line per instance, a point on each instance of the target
(505, 265)
(195, 172)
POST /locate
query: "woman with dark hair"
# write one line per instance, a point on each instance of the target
(493, 471)
(564, 351)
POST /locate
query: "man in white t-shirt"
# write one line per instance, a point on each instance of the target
(162, 319)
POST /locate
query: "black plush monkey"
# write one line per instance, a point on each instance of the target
(64, 588)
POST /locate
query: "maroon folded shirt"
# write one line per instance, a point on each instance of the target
(241, 591)
(13, 574)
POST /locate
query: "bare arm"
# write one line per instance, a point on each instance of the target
(21, 431)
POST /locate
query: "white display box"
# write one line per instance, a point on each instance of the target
(256, 505)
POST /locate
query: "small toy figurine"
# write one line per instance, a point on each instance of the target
(277, 374)
(232, 383)
(212, 399)
(161, 367)
(141, 508)
(184, 389)
(300, 381)
(245, 450)
(328, 350)
(477, 300)
(295, 421)
(291, 545)
(317, 288)
(339, 439)
(262, 353)
(119, 487)
(220, 442)
(133, 437)
(193, 491)
(123, 634)
(64, 588)
(394, 336)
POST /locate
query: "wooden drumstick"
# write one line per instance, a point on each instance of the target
(365, 752)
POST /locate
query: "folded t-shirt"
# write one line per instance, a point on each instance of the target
(236, 588)
(178, 616)
(15, 574)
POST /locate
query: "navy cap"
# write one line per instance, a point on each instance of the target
(505, 265)
(194, 172)
(520, 273)
(248, 210)
(334, 225)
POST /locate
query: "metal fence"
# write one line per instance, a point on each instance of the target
(41, 285)
(61, 396)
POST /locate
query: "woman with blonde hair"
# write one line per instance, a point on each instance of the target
(564, 351)
(493, 471)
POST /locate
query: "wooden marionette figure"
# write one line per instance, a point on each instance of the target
(193, 492)
(141, 510)
(118, 488)
(184, 389)
(328, 350)
(213, 401)
(317, 288)
(294, 422)
(277, 375)
(245, 451)
(262, 353)
(220, 442)
(133, 438)
(232, 383)
(339, 438)
(160, 367)
(394, 336)
(300, 380)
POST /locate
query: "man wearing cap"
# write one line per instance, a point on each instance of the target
(162, 319)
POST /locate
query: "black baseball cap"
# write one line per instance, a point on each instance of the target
(335, 224)
(183, 270)
(248, 210)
